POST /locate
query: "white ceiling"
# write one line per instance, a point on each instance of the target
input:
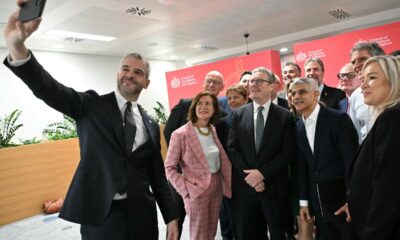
(198, 31)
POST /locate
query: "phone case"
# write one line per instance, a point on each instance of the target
(31, 9)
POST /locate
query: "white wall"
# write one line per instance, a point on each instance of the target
(81, 72)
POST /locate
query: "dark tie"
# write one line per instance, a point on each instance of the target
(259, 127)
(129, 127)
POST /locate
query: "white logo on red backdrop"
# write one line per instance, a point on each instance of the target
(175, 83)
(301, 57)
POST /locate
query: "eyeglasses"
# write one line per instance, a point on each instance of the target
(349, 75)
(211, 81)
(258, 82)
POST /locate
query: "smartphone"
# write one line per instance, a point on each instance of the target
(31, 9)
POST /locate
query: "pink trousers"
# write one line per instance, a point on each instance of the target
(203, 211)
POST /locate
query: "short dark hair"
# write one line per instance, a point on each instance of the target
(247, 72)
(239, 89)
(294, 65)
(395, 53)
(317, 60)
(192, 110)
(373, 48)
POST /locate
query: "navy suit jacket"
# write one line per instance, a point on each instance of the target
(344, 105)
(374, 190)
(335, 142)
(331, 97)
(101, 170)
(276, 151)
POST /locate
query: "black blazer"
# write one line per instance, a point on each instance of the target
(332, 96)
(283, 103)
(335, 142)
(374, 189)
(276, 151)
(101, 170)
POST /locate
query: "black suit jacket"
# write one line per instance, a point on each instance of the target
(277, 149)
(335, 142)
(101, 170)
(332, 96)
(374, 189)
(283, 103)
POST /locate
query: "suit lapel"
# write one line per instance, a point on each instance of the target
(319, 131)
(115, 119)
(195, 146)
(148, 122)
(304, 142)
(248, 119)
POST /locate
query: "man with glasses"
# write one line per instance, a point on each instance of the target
(260, 146)
(213, 82)
(348, 82)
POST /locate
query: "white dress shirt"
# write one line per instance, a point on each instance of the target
(210, 150)
(360, 114)
(141, 135)
(310, 124)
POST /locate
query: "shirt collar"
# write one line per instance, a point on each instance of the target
(314, 115)
(265, 105)
(121, 101)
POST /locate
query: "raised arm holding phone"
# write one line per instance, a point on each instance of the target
(110, 192)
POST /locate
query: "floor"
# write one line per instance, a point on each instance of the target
(50, 227)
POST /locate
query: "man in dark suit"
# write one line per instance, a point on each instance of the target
(314, 68)
(326, 141)
(213, 82)
(260, 157)
(110, 192)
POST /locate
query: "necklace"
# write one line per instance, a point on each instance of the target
(204, 133)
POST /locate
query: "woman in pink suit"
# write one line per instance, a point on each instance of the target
(206, 169)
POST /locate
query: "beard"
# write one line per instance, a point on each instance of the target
(129, 87)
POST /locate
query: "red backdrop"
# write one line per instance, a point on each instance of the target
(186, 83)
(335, 51)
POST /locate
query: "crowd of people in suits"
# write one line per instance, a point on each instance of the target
(323, 160)
(298, 170)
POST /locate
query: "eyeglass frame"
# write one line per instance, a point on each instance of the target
(258, 81)
(341, 76)
(212, 81)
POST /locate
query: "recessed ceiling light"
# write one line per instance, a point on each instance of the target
(284, 49)
(58, 46)
(173, 57)
(67, 34)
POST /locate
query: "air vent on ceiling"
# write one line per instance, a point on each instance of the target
(138, 11)
(339, 13)
(208, 47)
(74, 40)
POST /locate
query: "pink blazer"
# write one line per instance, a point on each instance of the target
(185, 149)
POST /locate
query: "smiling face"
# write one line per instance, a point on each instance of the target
(303, 98)
(204, 109)
(235, 99)
(132, 78)
(289, 72)
(260, 88)
(314, 70)
(375, 86)
(358, 58)
(213, 82)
